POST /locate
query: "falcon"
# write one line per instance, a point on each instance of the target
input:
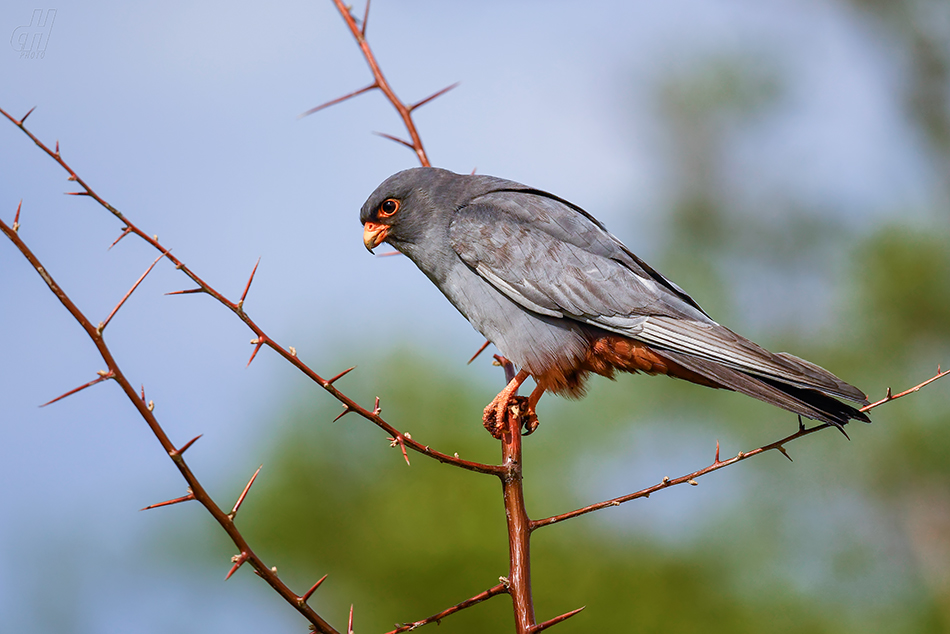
(561, 298)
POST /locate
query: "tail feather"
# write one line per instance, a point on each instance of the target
(809, 403)
(713, 343)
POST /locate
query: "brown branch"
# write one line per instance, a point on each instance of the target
(519, 530)
(494, 591)
(518, 582)
(146, 412)
(260, 337)
(404, 110)
(717, 464)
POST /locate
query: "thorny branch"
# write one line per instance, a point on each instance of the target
(520, 526)
(196, 490)
(717, 464)
(379, 82)
(289, 354)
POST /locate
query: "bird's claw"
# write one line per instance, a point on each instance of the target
(502, 411)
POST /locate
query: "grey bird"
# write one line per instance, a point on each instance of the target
(561, 297)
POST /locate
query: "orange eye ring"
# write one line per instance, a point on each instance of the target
(388, 207)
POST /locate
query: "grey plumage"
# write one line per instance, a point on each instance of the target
(540, 278)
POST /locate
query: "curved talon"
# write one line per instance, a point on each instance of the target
(495, 414)
(494, 417)
(522, 411)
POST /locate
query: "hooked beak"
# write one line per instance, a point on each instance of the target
(373, 234)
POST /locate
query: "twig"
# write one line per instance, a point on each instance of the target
(519, 524)
(146, 412)
(494, 591)
(261, 338)
(717, 464)
(380, 82)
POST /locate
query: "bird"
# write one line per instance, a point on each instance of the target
(562, 298)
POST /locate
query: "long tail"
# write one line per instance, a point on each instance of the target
(810, 403)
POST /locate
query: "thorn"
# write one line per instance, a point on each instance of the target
(103, 375)
(785, 453)
(76, 193)
(479, 351)
(103, 325)
(543, 626)
(395, 138)
(248, 287)
(310, 592)
(376, 408)
(29, 112)
(388, 254)
(57, 147)
(398, 440)
(472, 173)
(346, 410)
(340, 375)
(238, 562)
(260, 341)
(16, 220)
(693, 482)
(801, 424)
(434, 95)
(189, 444)
(349, 623)
(142, 396)
(187, 292)
(333, 102)
(890, 397)
(240, 500)
(840, 428)
(717, 451)
(184, 498)
(365, 21)
(124, 233)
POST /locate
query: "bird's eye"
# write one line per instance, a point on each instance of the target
(388, 208)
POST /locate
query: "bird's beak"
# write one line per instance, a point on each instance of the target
(373, 234)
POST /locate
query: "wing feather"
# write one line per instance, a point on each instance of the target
(555, 260)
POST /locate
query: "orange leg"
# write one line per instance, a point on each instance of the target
(496, 411)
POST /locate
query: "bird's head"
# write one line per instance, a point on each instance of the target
(409, 205)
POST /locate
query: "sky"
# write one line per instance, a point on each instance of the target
(185, 117)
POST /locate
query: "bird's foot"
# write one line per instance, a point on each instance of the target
(506, 409)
